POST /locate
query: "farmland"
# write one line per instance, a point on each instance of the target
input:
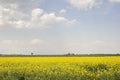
(60, 68)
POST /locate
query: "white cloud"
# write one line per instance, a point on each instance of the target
(21, 46)
(114, 0)
(51, 18)
(94, 46)
(36, 13)
(26, 14)
(83, 4)
(36, 41)
(43, 20)
(63, 11)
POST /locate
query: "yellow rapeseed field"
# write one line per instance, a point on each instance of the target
(60, 68)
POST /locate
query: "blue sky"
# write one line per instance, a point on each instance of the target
(59, 26)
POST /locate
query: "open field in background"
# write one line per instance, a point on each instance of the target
(60, 68)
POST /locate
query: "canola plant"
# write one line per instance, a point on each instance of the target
(60, 68)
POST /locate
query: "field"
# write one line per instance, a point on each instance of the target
(60, 68)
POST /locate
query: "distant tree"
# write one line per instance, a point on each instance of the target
(32, 53)
(70, 54)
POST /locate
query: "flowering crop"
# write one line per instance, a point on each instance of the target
(60, 68)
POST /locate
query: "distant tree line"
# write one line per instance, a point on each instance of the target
(68, 54)
(97, 54)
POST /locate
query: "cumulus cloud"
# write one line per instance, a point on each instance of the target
(63, 11)
(36, 13)
(26, 14)
(51, 18)
(83, 4)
